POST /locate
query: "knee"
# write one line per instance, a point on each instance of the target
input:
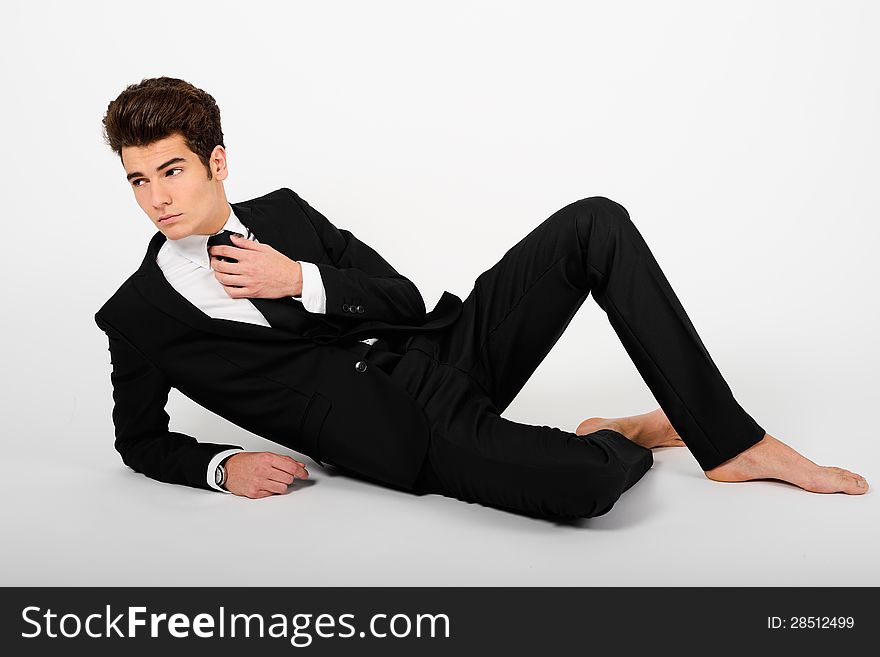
(579, 506)
(591, 496)
(598, 487)
(588, 211)
(592, 501)
(599, 203)
(591, 227)
(600, 209)
(597, 216)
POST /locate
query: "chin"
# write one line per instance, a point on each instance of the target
(173, 232)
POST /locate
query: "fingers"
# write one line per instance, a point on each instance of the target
(286, 463)
(287, 468)
(237, 292)
(227, 263)
(226, 271)
(239, 244)
(277, 482)
(235, 283)
(228, 281)
(226, 251)
(235, 252)
(273, 487)
(245, 243)
(268, 487)
(284, 470)
(220, 265)
(271, 474)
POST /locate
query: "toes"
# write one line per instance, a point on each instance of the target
(854, 475)
(853, 482)
(848, 474)
(859, 485)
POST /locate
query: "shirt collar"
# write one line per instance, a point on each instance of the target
(195, 247)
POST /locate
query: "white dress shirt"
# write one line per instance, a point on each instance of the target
(186, 264)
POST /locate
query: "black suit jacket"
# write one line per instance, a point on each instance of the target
(296, 387)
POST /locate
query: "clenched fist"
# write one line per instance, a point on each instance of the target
(260, 474)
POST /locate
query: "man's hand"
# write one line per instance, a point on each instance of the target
(260, 474)
(261, 271)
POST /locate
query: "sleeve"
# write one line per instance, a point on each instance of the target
(314, 297)
(140, 393)
(361, 284)
(212, 467)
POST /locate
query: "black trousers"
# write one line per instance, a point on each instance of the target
(466, 375)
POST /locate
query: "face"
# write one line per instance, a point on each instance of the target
(169, 179)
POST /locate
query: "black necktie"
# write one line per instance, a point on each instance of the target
(280, 313)
(222, 238)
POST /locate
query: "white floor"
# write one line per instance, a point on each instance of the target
(73, 514)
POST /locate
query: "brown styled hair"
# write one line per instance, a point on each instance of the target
(157, 108)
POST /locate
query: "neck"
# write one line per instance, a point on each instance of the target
(217, 225)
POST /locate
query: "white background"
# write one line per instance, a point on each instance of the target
(742, 137)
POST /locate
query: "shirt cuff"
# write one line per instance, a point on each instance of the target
(212, 467)
(314, 297)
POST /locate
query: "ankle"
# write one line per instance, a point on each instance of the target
(748, 459)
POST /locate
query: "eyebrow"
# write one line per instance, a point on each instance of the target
(173, 160)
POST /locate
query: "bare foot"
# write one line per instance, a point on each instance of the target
(773, 459)
(648, 429)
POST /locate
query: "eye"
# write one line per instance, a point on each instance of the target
(135, 182)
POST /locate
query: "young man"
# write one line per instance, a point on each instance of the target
(296, 330)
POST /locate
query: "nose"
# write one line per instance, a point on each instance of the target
(159, 198)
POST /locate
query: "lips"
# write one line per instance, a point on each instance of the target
(168, 216)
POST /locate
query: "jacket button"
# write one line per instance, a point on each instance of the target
(345, 307)
(360, 366)
(360, 309)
